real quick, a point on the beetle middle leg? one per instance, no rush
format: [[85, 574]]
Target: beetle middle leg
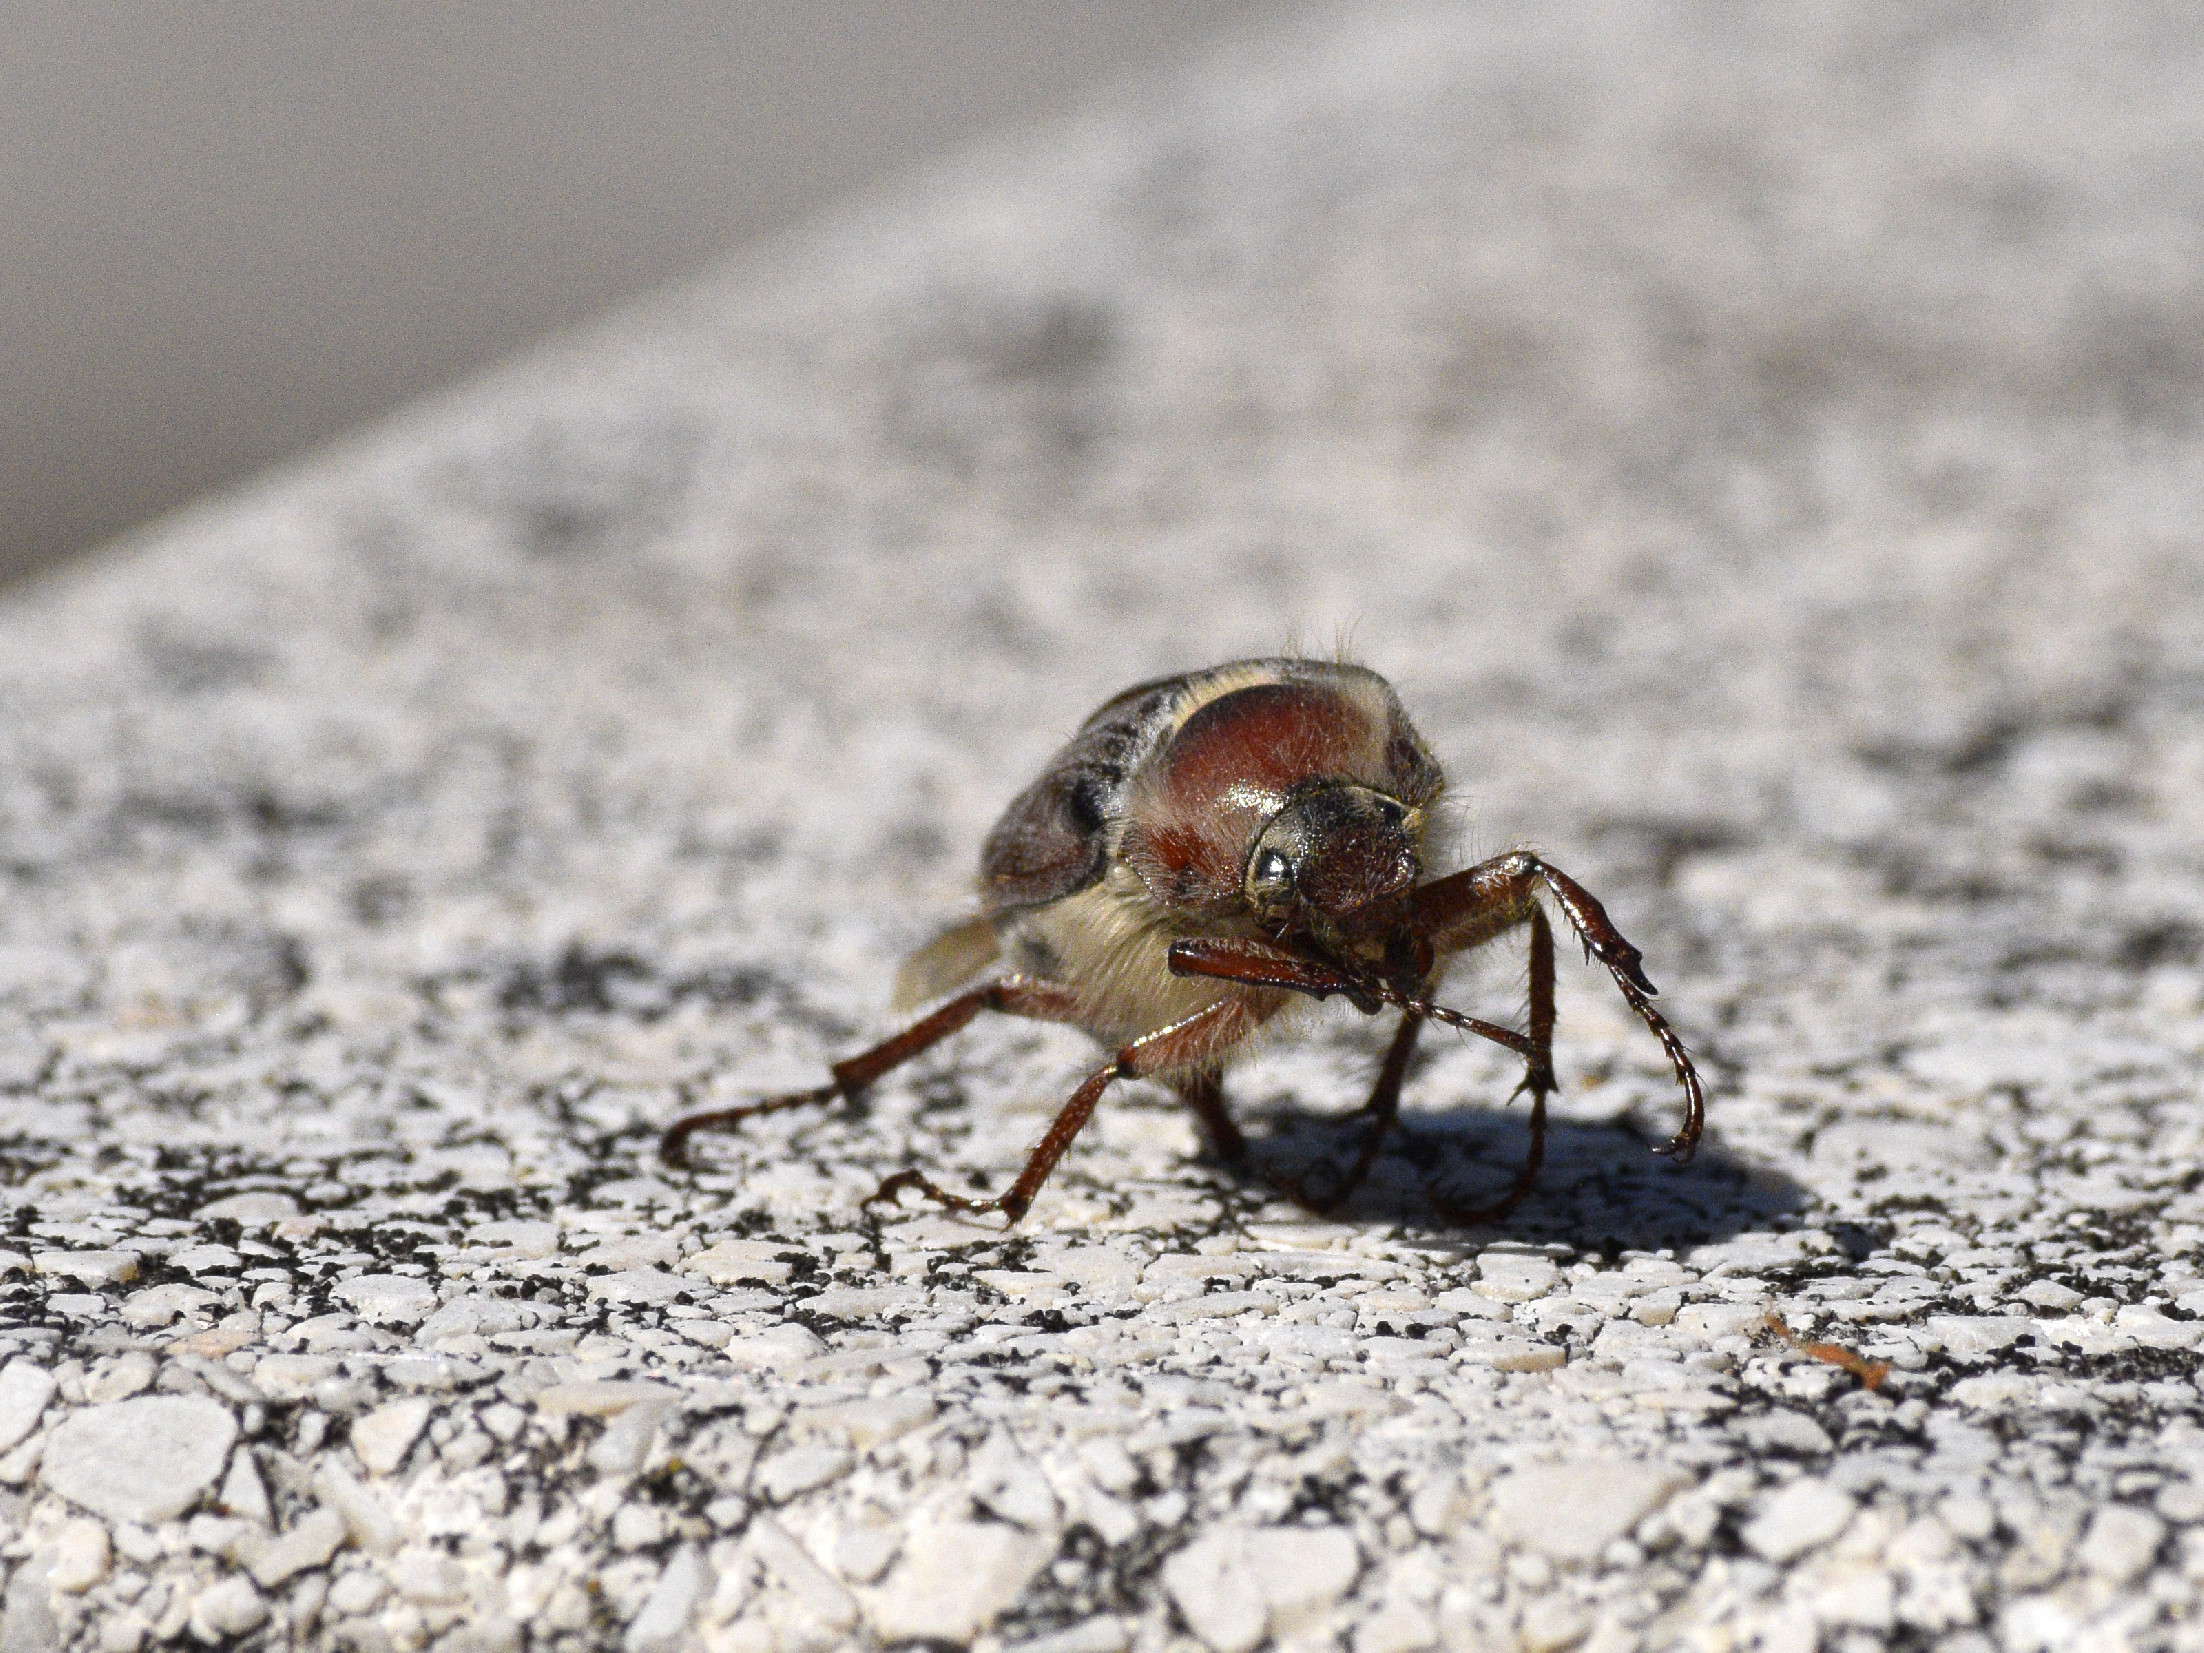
[[1193, 1043], [1486, 901], [1013, 995], [1259, 964], [1538, 1083], [1203, 1091], [1380, 1114]]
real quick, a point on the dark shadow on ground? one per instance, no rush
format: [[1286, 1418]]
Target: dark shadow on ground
[[1602, 1189]]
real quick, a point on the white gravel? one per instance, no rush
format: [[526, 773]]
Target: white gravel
[[25, 1390], [145, 1460], [1237, 1586], [1571, 1512], [955, 1579], [1797, 1518], [382, 1438], [1762, 446]]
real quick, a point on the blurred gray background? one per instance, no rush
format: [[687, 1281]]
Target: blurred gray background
[[229, 231]]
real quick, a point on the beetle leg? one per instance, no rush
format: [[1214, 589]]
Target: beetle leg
[[1488, 900], [1199, 1039], [1203, 1091], [1525, 1180], [1381, 1113], [1258, 964], [1538, 1081], [1013, 995]]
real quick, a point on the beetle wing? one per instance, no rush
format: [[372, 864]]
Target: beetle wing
[[1053, 840], [945, 963]]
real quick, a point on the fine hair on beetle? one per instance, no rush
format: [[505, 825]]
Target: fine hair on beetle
[[1206, 852]]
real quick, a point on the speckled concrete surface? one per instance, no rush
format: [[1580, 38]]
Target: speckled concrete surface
[[1762, 445]]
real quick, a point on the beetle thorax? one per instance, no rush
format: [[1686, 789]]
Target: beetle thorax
[[1300, 780]]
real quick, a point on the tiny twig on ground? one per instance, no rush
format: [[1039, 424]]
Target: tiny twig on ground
[[1870, 1372]]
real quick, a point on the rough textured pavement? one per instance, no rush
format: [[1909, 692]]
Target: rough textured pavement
[[1764, 448]]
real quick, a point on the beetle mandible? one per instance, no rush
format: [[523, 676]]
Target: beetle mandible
[[1207, 850]]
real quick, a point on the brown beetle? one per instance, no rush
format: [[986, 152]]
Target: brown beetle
[[1207, 850]]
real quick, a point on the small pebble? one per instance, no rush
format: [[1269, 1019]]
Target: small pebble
[[1571, 1512], [2121, 1543], [146, 1460], [382, 1438], [81, 1556], [799, 1470], [422, 1573], [90, 1268], [1786, 1431], [227, 1609], [120, 1379], [388, 1299], [662, 1623], [2181, 1501], [356, 1592], [955, 1578], [243, 1493], [1551, 1624], [311, 1540], [256, 1209], [1515, 1277], [821, 1594], [1797, 1518], [25, 1390]]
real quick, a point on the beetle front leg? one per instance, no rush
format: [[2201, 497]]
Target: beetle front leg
[[1258, 964], [1200, 1039], [1488, 900], [1013, 995]]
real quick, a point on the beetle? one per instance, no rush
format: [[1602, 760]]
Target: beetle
[[1205, 852]]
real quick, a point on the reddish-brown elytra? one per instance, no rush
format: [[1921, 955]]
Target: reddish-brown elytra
[[1207, 851]]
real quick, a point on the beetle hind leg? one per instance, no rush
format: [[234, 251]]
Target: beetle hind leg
[[1013, 995], [1526, 1179], [673, 1146], [1014, 1201], [1193, 1044]]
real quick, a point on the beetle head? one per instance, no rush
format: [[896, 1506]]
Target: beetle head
[[1332, 865]]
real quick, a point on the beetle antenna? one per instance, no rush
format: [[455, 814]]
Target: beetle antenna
[[1425, 1010]]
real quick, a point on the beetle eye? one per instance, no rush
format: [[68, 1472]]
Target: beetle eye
[[1270, 873]]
